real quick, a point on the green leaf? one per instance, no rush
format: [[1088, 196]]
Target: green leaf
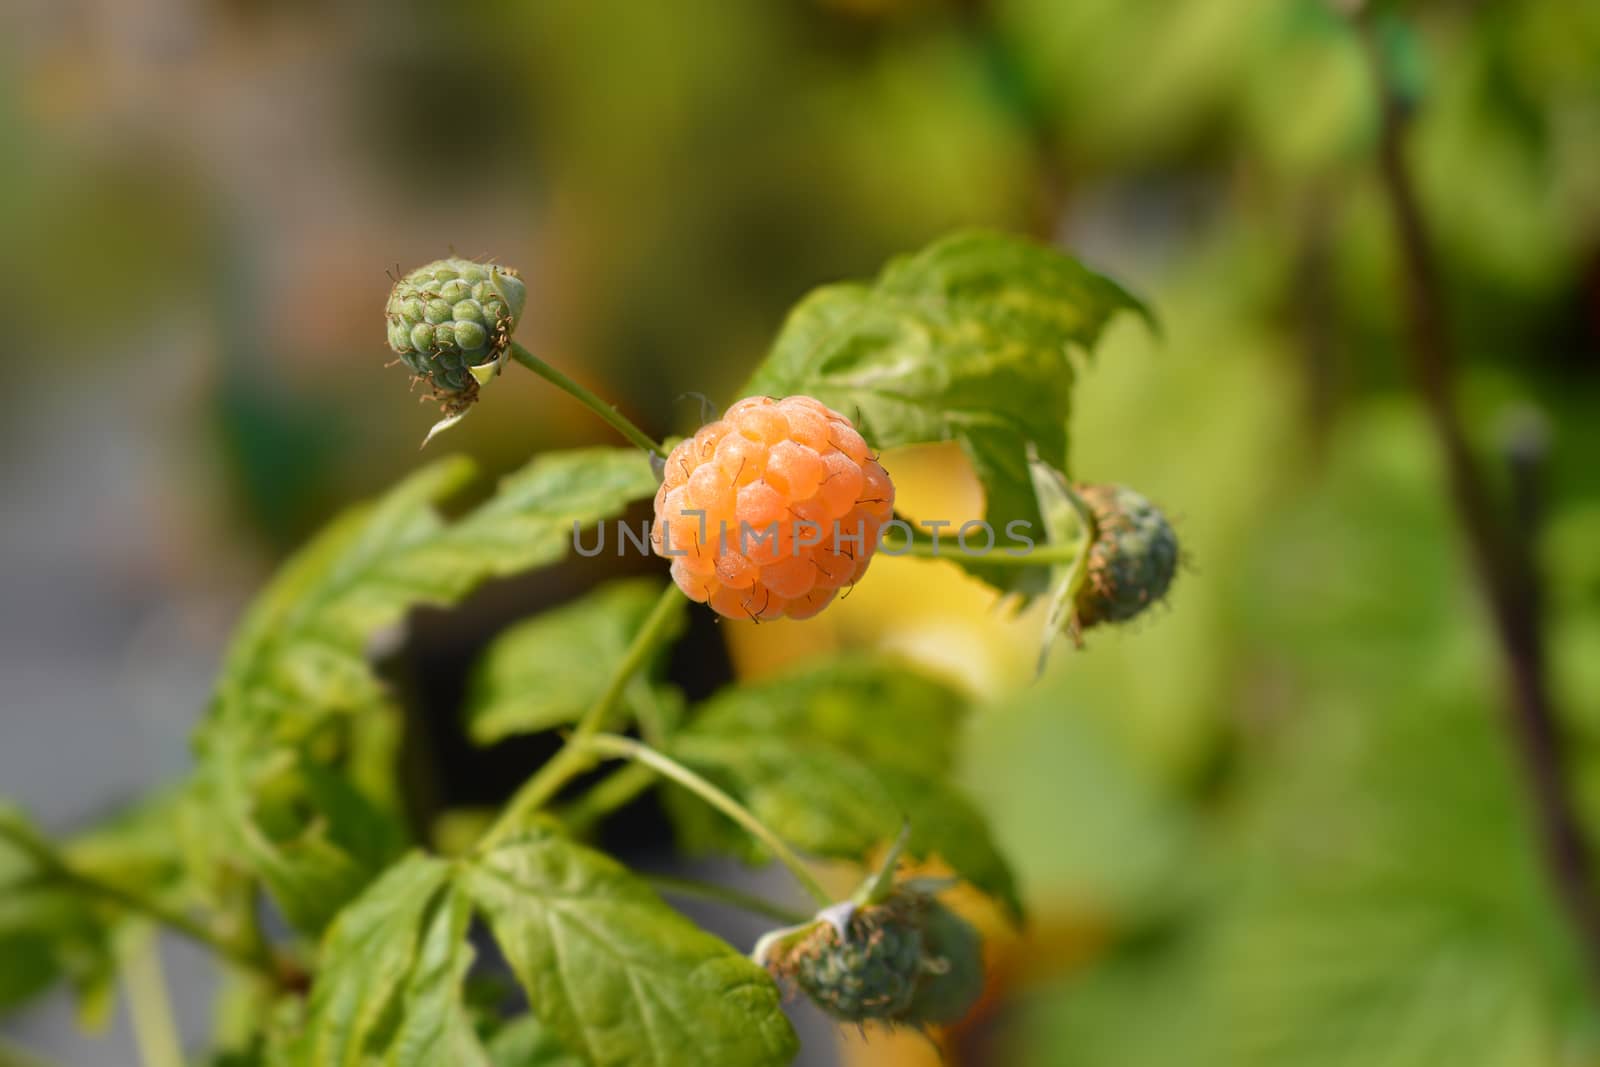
[[881, 708], [964, 341], [838, 758], [527, 1042], [436, 1027], [833, 802], [136, 849], [302, 649], [310, 836], [545, 672], [48, 932], [917, 722], [389, 987], [298, 665], [619, 977]]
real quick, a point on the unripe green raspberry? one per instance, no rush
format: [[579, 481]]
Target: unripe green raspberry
[[1132, 560], [874, 973], [451, 321], [906, 961]]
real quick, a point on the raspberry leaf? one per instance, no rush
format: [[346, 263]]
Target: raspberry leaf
[[546, 671], [837, 761], [135, 849], [297, 689], [917, 721], [528, 1042], [880, 707], [619, 977], [836, 803], [48, 932], [389, 988], [968, 341]]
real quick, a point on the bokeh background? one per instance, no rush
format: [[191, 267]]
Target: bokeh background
[[1279, 823]]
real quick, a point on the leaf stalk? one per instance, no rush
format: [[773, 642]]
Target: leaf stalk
[[589, 399], [627, 748], [575, 757]]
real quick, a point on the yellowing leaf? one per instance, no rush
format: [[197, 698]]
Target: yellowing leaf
[[299, 663], [964, 341]]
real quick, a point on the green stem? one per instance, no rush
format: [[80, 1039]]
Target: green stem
[[56, 868], [574, 757], [894, 544], [614, 791], [627, 748], [689, 887], [614, 418], [618, 789], [149, 1007]]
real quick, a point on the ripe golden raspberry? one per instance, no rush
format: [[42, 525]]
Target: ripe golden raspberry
[[772, 509]]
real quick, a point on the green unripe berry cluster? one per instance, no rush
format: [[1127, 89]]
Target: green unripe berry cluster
[[452, 315], [872, 974], [907, 961], [1132, 560]]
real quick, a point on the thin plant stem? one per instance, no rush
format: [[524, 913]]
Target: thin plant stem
[[149, 1006], [1500, 555], [56, 868], [721, 894], [575, 757], [627, 748], [615, 790], [613, 418], [893, 544]]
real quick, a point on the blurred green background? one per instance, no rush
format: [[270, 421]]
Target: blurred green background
[[1278, 824]]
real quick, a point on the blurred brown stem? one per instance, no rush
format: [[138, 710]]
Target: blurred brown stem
[[1502, 556]]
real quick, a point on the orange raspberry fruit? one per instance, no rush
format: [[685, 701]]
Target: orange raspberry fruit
[[771, 510]]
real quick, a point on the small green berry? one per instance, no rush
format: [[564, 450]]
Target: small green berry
[[908, 960], [873, 973], [1132, 560], [453, 317]]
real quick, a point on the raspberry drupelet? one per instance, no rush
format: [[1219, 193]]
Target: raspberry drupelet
[[772, 509]]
